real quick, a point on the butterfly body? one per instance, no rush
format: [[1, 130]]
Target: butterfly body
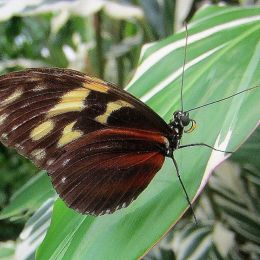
[[100, 145]]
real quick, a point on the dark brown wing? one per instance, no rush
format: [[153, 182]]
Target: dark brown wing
[[42, 109], [43, 112], [107, 169]]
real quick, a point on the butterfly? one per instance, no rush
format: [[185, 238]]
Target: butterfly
[[100, 145]]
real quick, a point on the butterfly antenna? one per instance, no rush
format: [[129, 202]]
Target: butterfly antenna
[[183, 187], [184, 63], [222, 99]]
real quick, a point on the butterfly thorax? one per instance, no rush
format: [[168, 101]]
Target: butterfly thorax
[[178, 123]]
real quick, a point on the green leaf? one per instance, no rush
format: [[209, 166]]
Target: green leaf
[[36, 191], [252, 249], [81, 8], [223, 58], [32, 7], [160, 16], [248, 153], [34, 231], [196, 244], [7, 250], [242, 221]]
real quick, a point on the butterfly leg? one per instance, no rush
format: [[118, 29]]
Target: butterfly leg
[[183, 187], [202, 144]]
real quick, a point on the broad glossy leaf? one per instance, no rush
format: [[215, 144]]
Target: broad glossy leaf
[[223, 58]]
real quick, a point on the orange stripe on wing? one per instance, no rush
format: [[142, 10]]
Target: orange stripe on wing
[[120, 133]]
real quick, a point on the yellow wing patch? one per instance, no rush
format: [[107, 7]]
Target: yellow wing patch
[[71, 101], [69, 135], [112, 107], [14, 96], [97, 85], [42, 130]]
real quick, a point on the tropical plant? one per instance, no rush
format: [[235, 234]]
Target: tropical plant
[[215, 69]]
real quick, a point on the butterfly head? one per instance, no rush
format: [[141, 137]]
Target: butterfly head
[[182, 122]]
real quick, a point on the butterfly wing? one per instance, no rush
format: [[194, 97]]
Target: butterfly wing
[[107, 169], [45, 112]]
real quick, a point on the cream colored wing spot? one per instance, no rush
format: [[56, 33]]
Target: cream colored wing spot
[[42, 130], [50, 162], [14, 96], [38, 154], [4, 137], [39, 87], [70, 102], [112, 107], [97, 85], [3, 118], [69, 135]]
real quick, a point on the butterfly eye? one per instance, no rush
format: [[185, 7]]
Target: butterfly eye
[[193, 126], [185, 120]]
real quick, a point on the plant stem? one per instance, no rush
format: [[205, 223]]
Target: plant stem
[[99, 43]]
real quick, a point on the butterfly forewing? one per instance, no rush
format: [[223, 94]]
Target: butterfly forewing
[[100, 145]]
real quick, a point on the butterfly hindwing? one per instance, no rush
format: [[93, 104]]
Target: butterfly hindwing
[[107, 169], [48, 115]]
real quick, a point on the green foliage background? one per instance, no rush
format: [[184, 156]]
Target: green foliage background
[[108, 46]]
